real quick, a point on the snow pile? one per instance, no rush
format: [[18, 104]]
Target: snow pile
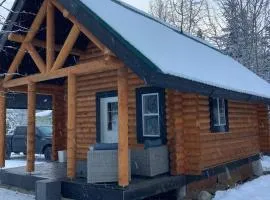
[[266, 163], [13, 195], [257, 189], [177, 54]]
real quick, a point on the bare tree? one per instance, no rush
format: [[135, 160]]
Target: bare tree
[[246, 25], [186, 15]]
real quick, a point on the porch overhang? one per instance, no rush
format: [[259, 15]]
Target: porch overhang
[[59, 66]]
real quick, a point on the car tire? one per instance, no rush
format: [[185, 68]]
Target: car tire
[[48, 153]]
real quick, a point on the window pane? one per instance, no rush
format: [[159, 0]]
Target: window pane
[[222, 112], [112, 116], [151, 126], [150, 104], [215, 112]]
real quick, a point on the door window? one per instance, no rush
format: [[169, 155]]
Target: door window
[[109, 120], [112, 115]]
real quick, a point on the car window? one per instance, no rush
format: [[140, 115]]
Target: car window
[[45, 131], [21, 130]]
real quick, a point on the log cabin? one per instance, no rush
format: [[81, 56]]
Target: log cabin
[[118, 75]]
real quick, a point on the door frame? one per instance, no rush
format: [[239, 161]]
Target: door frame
[[100, 95]]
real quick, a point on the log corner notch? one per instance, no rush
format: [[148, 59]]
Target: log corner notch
[[123, 152], [2, 125], [31, 127]]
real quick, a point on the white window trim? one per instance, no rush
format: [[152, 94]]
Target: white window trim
[[218, 112], [155, 114]]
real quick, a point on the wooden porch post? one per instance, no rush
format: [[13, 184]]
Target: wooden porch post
[[2, 126], [71, 127], [123, 154], [31, 128]]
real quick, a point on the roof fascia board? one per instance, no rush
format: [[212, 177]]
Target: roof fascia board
[[184, 85]]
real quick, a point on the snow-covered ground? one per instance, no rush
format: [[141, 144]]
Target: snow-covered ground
[[257, 189], [20, 161]]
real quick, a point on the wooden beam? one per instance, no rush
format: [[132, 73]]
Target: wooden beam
[[39, 43], [71, 127], [68, 45], [29, 36], [123, 152], [93, 66], [31, 127], [15, 64], [50, 37], [36, 57], [2, 126], [37, 22], [54, 108], [84, 30], [44, 89]]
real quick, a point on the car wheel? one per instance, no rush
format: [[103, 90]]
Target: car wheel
[[48, 153]]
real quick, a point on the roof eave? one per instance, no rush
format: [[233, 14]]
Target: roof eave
[[185, 85]]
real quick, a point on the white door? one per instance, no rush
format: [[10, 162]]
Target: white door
[[109, 120]]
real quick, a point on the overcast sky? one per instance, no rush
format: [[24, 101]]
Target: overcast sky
[[141, 4]]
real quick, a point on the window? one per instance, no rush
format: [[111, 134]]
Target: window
[[219, 115], [150, 115], [112, 116], [21, 130], [150, 109], [45, 131]]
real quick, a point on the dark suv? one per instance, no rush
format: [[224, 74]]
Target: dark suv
[[17, 141]]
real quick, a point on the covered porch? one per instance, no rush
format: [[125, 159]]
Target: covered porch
[[53, 72]]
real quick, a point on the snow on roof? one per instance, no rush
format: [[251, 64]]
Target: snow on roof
[[175, 53], [5, 11]]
